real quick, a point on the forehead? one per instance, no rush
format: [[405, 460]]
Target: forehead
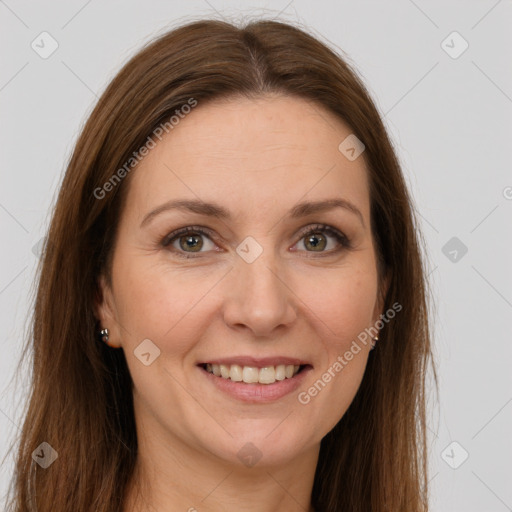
[[252, 155]]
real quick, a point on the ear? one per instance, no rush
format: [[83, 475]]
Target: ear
[[105, 312], [381, 297]]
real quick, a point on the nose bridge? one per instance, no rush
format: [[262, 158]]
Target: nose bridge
[[260, 279], [259, 298]]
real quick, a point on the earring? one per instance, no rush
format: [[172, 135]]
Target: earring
[[104, 335], [374, 341]]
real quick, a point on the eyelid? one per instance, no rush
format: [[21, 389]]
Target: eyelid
[[185, 230], [340, 237], [336, 233]]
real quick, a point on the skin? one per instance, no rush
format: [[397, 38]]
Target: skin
[[257, 158]]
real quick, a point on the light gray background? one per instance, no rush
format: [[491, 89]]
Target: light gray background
[[450, 119]]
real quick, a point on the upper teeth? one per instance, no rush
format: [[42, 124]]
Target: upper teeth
[[252, 374]]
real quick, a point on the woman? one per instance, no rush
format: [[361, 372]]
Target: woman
[[231, 310]]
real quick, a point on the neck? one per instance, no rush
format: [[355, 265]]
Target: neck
[[173, 476]]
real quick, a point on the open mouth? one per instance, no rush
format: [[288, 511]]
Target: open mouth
[[254, 374]]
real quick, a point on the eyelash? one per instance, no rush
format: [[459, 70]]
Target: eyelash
[[196, 230]]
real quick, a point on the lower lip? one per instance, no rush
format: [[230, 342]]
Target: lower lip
[[255, 392]]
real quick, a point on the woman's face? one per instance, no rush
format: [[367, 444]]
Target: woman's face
[[254, 285]]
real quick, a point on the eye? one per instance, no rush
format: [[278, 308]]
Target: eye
[[189, 240], [314, 239]]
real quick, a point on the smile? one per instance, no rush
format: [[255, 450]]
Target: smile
[[253, 374]]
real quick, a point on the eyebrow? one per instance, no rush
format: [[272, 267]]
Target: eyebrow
[[215, 210]]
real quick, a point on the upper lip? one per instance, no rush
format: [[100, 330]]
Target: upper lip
[[259, 362]]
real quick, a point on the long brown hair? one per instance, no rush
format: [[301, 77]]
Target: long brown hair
[[80, 399]]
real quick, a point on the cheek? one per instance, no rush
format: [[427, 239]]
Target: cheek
[[157, 304], [343, 304]]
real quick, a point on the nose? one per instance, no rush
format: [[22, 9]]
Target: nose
[[259, 298]]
